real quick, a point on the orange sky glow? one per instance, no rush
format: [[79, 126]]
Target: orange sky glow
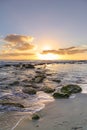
[[22, 47]]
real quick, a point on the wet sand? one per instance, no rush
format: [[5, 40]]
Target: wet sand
[[62, 114]]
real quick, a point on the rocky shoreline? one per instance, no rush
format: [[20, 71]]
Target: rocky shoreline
[[36, 83], [26, 89]]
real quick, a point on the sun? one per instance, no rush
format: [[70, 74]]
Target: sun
[[47, 47], [48, 56]]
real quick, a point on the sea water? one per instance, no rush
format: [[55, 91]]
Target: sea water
[[68, 72]]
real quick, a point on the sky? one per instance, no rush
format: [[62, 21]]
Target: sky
[[43, 29]]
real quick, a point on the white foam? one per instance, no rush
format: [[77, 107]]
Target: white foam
[[43, 97], [73, 96]]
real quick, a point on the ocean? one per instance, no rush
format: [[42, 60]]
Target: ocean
[[14, 78]]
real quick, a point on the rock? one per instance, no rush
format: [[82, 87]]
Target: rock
[[7, 65], [40, 64], [38, 79], [48, 90], [38, 72], [27, 66], [42, 74], [17, 65], [14, 83], [57, 80], [37, 125], [29, 90], [49, 74], [66, 91], [35, 117], [60, 95], [11, 104], [77, 128], [26, 81], [30, 66], [71, 88], [27, 85]]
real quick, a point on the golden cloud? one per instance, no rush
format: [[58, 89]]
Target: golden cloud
[[17, 47], [19, 42], [17, 54], [68, 51]]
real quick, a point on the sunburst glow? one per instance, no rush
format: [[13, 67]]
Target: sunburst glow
[[47, 47], [48, 56]]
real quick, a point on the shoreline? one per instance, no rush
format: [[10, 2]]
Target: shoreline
[[62, 114]]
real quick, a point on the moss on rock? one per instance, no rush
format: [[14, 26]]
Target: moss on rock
[[35, 117], [48, 90], [60, 95], [71, 88]]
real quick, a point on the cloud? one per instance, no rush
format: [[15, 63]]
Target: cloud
[[18, 38], [18, 42], [67, 51], [17, 46], [17, 54]]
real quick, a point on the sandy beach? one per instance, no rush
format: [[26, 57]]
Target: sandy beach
[[62, 114], [18, 103], [43, 65]]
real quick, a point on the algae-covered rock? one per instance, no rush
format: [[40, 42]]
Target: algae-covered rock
[[48, 90], [35, 117], [29, 90], [60, 95], [71, 88]]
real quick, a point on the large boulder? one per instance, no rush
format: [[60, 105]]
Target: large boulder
[[71, 88], [60, 95], [29, 90], [66, 91], [48, 89]]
